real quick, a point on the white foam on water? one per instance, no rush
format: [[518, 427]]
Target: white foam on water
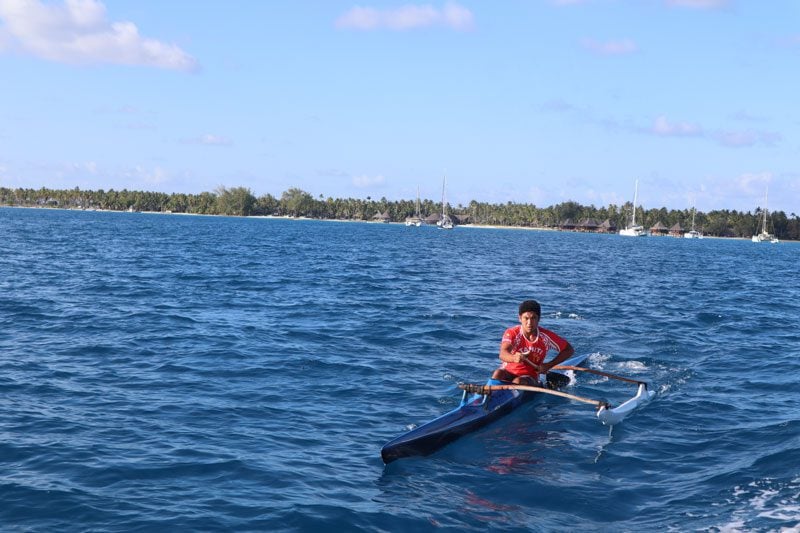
[[633, 366], [571, 375], [766, 498], [598, 360], [735, 526]]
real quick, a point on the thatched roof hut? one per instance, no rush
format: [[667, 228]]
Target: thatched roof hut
[[658, 229], [382, 217], [608, 227], [433, 218], [676, 230]]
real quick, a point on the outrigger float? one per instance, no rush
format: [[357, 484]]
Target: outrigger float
[[483, 404]]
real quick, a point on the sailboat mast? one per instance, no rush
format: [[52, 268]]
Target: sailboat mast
[[444, 183], [635, 196]]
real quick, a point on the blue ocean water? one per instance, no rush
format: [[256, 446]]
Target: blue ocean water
[[165, 372]]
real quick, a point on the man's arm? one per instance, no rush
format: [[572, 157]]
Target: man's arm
[[562, 356], [507, 356]]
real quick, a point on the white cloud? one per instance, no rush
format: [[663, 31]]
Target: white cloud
[[407, 17], [624, 46], [368, 181], [78, 32], [209, 140], [215, 140], [746, 116], [699, 4], [663, 127], [76, 169], [737, 139], [457, 17], [332, 172], [89, 175], [139, 175], [752, 184]]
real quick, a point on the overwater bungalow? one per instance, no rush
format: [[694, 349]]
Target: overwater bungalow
[[659, 230], [676, 230], [588, 225], [607, 227], [433, 219], [567, 225], [381, 217]]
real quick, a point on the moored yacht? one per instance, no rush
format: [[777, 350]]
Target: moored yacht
[[634, 229], [693, 233], [765, 236]]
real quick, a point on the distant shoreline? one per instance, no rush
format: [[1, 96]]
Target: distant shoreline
[[287, 217], [294, 203]]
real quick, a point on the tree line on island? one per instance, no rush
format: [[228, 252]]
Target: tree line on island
[[295, 202]]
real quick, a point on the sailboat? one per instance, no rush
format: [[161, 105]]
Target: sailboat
[[693, 233], [416, 220], [765, 236], [445, 222], [634, 230]]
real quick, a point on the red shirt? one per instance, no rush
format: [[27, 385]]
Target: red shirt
[[543, 341]]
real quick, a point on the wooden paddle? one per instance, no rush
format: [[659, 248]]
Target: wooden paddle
[[488, 389], [598, 372]]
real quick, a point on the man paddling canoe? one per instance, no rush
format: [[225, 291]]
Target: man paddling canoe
[[522, 351], [524, 347]]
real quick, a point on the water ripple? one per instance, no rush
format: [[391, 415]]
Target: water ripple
[[211, 373]]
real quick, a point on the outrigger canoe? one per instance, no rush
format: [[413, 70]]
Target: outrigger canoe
[[483, 404]]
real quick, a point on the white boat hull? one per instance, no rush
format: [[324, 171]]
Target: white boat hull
[[609, 416], [634, 231], [765, 237]]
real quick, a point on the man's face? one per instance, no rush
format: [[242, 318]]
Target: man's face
[[529, 321]]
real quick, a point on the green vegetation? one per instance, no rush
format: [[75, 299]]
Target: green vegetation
[[240, 201]]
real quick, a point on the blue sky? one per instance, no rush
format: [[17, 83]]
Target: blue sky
[[535, 101]]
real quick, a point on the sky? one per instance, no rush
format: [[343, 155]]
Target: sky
[[529, 101]]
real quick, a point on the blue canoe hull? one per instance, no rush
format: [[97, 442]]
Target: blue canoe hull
[[474, 412]]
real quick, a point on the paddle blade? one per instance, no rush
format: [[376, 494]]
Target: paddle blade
[[610, 416]]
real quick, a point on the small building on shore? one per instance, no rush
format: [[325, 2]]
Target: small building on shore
[[607, 227], [659, 229], [676, 230], [588, 225], [567, 225], [381, 217], [433, 219]]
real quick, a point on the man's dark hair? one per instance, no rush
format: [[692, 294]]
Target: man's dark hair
[[530, 305]]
